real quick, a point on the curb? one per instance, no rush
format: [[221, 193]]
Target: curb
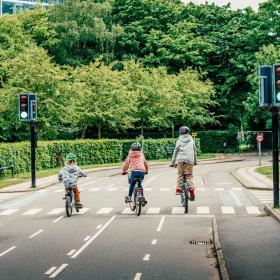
[[272, 212], [245, 183], [219, 251]]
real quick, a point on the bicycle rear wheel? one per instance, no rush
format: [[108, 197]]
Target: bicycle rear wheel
[[138, 204], [68, 206], [185, 199]]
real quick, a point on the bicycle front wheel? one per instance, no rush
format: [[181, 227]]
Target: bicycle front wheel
[[68, 206]]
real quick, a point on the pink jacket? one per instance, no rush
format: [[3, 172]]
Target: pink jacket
[[135, 161]]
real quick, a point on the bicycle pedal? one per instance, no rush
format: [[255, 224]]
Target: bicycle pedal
[[63, 197]]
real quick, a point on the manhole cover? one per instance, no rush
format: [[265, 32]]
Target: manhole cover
[[207, 242]]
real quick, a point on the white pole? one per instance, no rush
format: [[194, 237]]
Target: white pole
[[260, 154]]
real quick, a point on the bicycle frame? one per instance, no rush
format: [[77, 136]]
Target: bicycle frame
[[185, 194]]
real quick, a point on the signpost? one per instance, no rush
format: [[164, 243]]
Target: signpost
[[27, 112], [259, 139]]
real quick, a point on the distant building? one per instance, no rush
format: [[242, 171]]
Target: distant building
[[18, 6]]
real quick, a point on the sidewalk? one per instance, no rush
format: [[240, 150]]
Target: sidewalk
[[251, 179]]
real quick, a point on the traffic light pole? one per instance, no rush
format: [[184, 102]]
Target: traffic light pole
[[33, 153], [275, 155]]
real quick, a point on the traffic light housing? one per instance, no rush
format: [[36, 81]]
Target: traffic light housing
[[265, 86], [27, 107], [276, 84]]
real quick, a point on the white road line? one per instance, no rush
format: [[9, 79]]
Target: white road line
[[153, 210], [160, 223], [154, 242], [32, 211], [94, 189], [92, 238], [146, 257], [147, 189], [7, 251], [165, 189], [104, 211], [201, 189], [56, 211], [51, 270], [8, 212], [83, 210], [237, 189], [227, 210], [219, 189], [58, 270], [253, 210], [235, 197], [112, 189], [127, 211], [71, 252], [138, 276], [178, 210], [99, 226], [56, 220], [224, 183], [36, 233], [202, 210], [87, 238]]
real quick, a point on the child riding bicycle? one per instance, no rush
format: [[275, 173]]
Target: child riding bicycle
[[138, 166], [69, 175], [184, 156]]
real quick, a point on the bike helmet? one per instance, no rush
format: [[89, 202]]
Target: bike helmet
[[136, 146], [71, 157], [184, 130]]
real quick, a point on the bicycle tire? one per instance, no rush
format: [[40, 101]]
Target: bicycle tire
[[138, 205], [185, 199], [68, 207]]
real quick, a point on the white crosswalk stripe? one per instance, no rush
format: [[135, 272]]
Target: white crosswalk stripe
[[178, 210], [219, 189], [104, 211], [253, 210], [202, 210], [127, 211], [94, 189], [112, 189], [83, 210], [32, 211], [153, 210], [227, 210], [8, 212], [56, 211], [165, 189], [264, 196]]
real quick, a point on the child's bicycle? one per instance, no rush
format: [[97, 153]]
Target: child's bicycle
[[70, 202], [185, 194]]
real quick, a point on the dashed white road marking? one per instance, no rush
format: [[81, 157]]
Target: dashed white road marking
[[36, 233], [87, 238], [154, 242], [202, 210], [83, 210], [253, 210], [153, 210], [104, 211], [138, 276], [56, 211], [94, 189], [92, 238], [51, 270], [127, 211], [58, 270], [165, 189], [147, 189], [71, 252], [228, 210], [7, 251], [56, 220], [32, 211], [218, 189], [178, 210], [237, 189], [224, 183], [99, 226], [200, 189], [160, 223], [112, 189], [8, 212], [146, 257]]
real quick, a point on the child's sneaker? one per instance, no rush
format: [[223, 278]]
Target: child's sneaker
[[144, 201], [79, 205], [178, 191], [127, 199], [192, 195]]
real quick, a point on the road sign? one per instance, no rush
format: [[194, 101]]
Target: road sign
[[259, 137], [194, 134]]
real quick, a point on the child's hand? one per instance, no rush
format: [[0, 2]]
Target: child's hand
[[124, 173], [172, 165]]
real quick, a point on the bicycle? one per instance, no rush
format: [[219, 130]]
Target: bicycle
[[138, 200], [70, 202], [185, 194]]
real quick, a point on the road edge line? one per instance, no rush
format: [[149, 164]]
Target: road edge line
[[220, 256]]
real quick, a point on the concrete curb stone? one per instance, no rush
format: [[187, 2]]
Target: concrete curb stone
[[275, 213]]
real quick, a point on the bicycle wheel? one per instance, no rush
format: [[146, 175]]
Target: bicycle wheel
[[138, 204], [185, 199], [68, 206], [132, 204]]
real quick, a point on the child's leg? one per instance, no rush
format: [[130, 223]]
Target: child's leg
[[181, 170], [132, 185], [189, 173], [76, 194]]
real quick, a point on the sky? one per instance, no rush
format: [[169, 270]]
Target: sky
[[235, 4]]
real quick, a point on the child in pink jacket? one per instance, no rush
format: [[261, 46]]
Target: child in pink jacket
[[135, 162]]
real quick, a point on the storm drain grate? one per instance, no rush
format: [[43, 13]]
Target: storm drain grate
[[207, 242]]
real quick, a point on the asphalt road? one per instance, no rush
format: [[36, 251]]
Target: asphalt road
[[106, 241]]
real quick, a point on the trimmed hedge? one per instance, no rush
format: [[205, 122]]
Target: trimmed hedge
[[213, 141]]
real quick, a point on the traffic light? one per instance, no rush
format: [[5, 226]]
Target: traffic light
[[265, 86], [276, 84], [27, 107], [24, 107]]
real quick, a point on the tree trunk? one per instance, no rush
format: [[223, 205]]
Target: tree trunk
[[83, 134], [142, 129], [99, 130], [173, 130]]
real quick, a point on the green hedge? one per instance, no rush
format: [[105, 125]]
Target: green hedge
[[213, 141]]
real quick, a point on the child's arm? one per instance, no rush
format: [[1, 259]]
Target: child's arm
[[146, 166], [59, 176], [175, 153], [125, 166], [80, 172]]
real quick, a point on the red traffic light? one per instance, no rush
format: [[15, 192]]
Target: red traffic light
[[23, 98], [277, 72]]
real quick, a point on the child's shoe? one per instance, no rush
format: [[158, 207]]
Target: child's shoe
[[79, 205], [192, 195], [127, 199], [144, 201], [178, 191]]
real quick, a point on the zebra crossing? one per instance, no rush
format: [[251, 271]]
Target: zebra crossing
[[200, 210], [265, 197]]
